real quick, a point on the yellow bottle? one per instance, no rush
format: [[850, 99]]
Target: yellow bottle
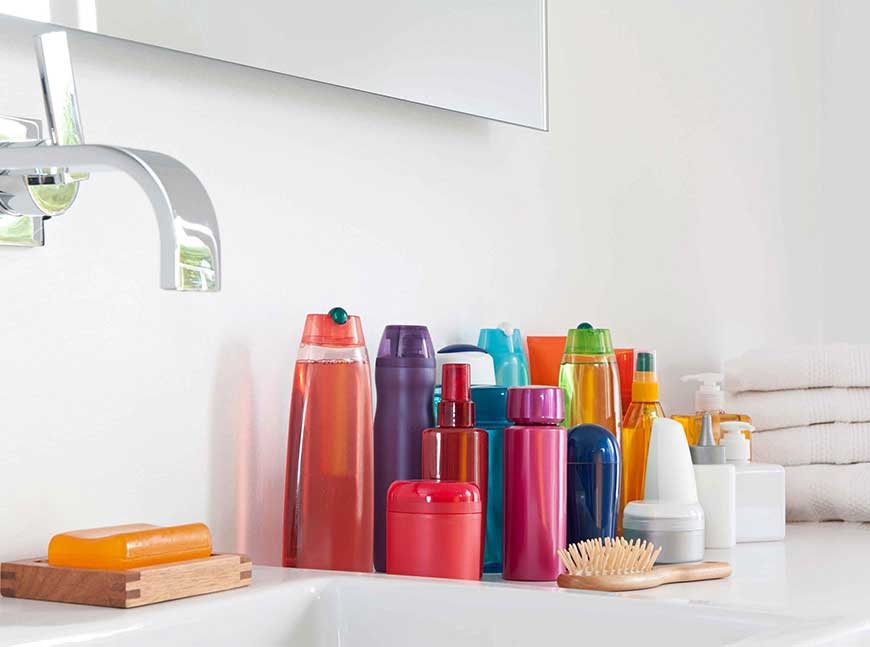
[[637, 427], [709, 398]]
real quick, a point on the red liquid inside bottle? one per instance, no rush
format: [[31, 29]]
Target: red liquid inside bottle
[[456, 450], [328, 514]]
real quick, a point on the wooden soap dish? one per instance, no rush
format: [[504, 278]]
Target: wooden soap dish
[[36, 579]]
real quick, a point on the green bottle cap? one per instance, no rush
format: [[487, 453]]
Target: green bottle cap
[[586, 340], [646, 362], [339, 315]]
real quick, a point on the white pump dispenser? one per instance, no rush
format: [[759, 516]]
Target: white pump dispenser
[[760, 488], [709, 396]]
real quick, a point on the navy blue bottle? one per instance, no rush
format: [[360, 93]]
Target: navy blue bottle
[[593, 483], [490, 406]]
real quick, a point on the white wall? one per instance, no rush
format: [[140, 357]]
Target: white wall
[[674, 200]]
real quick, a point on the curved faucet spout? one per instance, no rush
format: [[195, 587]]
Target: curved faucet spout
[[189, 238]]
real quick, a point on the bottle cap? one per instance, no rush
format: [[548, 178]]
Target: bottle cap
[[669, 473], [737, 448], [706, 452], [645, 386], [403, 345], [490, 406], [455, 408], [482, 367], [337, 328], [504, 339], [530, 405], [709, 396], [593, 444], [586, 340], [434, 497]]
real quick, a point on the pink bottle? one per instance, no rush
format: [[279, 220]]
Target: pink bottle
[[535, 483]]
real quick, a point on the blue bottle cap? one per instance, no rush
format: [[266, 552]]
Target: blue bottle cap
[[490, 405], [592, 444]]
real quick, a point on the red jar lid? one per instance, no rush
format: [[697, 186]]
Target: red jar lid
[[434, 497]]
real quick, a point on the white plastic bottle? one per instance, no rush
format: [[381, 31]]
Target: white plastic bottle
[[760, 488], [715, 480]]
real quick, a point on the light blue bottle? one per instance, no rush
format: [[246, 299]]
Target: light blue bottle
[[505, 344], [490, 406]]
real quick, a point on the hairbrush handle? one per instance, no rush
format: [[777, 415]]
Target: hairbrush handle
[[673, 573], [665, 574]]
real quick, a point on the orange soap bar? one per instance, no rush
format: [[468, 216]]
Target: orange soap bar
[[119, 548]]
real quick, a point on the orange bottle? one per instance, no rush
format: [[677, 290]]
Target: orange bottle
[[637, 427], [328, 499]]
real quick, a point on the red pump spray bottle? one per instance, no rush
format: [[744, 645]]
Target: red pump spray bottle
[[456, 450]]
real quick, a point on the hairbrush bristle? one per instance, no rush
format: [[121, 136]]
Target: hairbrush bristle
[[609, 557]]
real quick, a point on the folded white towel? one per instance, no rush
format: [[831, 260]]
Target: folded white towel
[[801, 407], [828, 492], [799, 367], [835, 443]]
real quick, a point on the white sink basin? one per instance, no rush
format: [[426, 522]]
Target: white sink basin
[[310, 608]]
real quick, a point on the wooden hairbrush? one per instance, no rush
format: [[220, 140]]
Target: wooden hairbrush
[[620, 565]]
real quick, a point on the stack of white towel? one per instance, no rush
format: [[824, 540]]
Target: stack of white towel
[[811, 409]]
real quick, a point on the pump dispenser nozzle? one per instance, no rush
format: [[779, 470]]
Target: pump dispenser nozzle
[[709, 396], [456, 408], [707, 452]]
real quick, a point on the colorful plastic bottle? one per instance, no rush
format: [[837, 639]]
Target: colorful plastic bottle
[[505, 344], [709, 398], [545, 357], [433, 529], [405, 382], [328, 502], [535, 481], [590, 378], [490, 408], [637, 426], [625, 364], [593, 483], [456, 450]]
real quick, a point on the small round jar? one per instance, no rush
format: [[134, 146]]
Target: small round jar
[[678, 528], [434, 529]]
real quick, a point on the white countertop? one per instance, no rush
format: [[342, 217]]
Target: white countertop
[[818, 576]]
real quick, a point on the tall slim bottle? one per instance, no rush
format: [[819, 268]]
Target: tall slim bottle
[[590, 378], [405, 382], [637, 427], [535, 483], [490, 409], [456, 450], [328, 504]]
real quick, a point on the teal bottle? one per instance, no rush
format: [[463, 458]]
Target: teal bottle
[[490, 404], [505, 344]]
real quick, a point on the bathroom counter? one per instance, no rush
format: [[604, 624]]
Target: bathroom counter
[[809, 589]]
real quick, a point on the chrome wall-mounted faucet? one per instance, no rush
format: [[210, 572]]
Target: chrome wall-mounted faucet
[[39, 179]]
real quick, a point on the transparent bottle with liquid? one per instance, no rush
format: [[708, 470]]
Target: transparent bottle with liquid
[[590, 378], [637, 426], [709, 398], [328, 500]]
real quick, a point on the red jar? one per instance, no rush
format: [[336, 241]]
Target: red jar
[[433, 529]]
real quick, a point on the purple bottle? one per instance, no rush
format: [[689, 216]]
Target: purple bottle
[[405, 382], [535, 483]]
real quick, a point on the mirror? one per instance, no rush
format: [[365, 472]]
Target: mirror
[[482, 57]]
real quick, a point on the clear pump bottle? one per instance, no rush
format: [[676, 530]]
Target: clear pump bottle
[[709, 398]]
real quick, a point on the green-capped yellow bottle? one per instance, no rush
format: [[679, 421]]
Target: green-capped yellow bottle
[[590, 378]]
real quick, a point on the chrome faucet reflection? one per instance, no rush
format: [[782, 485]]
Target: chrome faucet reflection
[[39, 179]]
